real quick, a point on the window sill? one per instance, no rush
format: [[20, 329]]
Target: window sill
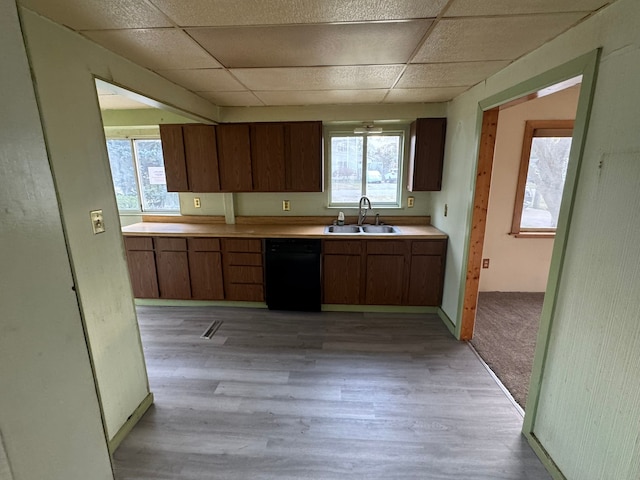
[[533, 234]]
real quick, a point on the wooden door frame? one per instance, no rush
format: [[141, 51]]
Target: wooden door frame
[[587, 67]]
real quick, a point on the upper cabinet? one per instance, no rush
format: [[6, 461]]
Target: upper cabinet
[[426, 154], [190, 158], [240, 157]]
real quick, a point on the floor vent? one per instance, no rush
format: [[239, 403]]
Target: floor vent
[[212, 329]]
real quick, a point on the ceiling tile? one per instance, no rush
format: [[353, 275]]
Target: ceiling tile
[[118, 102], [320, 97], [232, 99], [99, 14], [496, 38], [448, 74], [276, 12], [421, 95], [311, 45], [164, 48], [463, 8], [204, 80], [319, 78]]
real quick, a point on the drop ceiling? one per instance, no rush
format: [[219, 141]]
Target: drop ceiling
[[311, 52]]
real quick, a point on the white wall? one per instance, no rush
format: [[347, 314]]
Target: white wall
[[64, 65], [588, 416], [49, 413], [518, 264]]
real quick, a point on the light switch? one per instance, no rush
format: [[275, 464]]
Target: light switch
[[97, 222]]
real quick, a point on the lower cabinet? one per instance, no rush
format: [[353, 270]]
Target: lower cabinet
[[172, 264], [205, 269], [341, 271], [242, 267], [141, 259]]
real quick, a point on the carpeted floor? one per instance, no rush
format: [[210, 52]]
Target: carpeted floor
[[505, 336]]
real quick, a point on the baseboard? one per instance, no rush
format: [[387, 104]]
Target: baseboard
[[544, 457], [331, 307], [161, 302], [447, 321], [131, 422]]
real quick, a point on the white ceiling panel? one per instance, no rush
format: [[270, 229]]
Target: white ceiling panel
[[422, 95], [319, 78], [164, 48], [232, 99], [495, 38], [100, 14], [464, 8], [204, 80], [320, 97], [312, 45], [189, 13], [448, 74]]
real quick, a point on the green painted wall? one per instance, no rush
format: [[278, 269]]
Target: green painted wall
[[588, 415], [49, 410]]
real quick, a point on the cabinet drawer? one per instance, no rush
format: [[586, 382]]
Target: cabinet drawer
[[243, 259], [428, 247], [241, 245], [138, 243], [244, 274], [204, 244], [168, 244], [352, 247], [387, 247]]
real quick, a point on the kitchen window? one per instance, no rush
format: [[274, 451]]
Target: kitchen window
[[365, 161], [543, 169], [137, 169]]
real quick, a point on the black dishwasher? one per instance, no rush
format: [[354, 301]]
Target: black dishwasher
[[292, 274]]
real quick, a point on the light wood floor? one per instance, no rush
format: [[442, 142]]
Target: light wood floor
[[277, 395]]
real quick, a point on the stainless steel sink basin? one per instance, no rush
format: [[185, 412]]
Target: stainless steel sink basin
[[342, 229], [379, 229], [355, 229]]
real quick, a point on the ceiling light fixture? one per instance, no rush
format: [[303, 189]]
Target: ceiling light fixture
[[367, 129]]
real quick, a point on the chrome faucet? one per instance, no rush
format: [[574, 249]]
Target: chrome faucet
[[362, 214]]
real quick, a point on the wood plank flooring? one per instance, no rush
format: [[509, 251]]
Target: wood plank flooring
[[287, 395]]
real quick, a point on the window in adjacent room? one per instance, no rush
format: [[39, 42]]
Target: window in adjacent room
[[543, 168], [365, 162], [137, 169]]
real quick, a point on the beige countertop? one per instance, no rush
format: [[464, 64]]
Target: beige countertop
[[270, 231]]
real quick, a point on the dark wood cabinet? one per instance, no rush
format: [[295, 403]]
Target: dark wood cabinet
[[385, 277], [242, 269], [141, 260], [172, 263], [342, 272], [304, 157], [427, 137], [268, 157], [234, 157], [190, 158], [205, 268], [426, 276]]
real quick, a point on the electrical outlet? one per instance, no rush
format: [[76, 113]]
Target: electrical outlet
[[485, 263], [97, 221], [286, 205], [446, 209], [410, 202], [196, 202]]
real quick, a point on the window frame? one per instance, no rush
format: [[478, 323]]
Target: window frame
[[534, 129], [134, 157], [347, 130]]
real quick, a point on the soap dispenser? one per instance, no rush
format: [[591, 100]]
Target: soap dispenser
[[340, 218]]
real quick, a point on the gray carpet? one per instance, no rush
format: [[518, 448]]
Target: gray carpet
[[505, 337]]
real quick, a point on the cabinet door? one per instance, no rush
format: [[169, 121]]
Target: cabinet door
[[201, 157], [267, 157], [341, 279], [234, 158], [172, 263], [385, 279], [205, 269], [304, 157], [425, 280], [426, 154], [175, 166], [142, 271]]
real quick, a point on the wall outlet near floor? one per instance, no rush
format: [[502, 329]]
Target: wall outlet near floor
[[196, 202], [286, 205], [97, 221], [485, 263], [410, 202]]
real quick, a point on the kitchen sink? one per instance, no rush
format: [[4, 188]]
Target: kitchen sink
[[364, 229], [379, 229]]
